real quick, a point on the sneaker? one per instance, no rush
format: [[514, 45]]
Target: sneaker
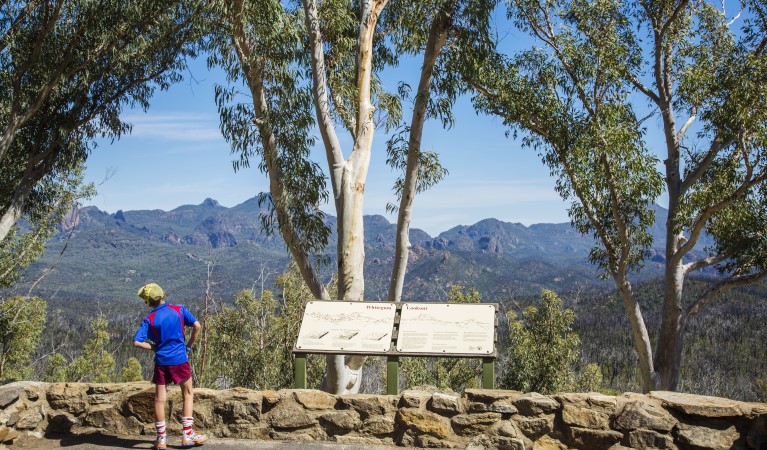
[[160, 443], [193, 439]]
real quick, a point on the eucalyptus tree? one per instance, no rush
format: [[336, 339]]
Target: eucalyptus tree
[[607, 88], [452, 35], [67, 70], [291, 88], [21, 324], [316, 65]]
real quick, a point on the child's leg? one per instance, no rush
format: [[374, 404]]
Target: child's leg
[[190, 437], [187, 394], [159, 415], [159, 402]]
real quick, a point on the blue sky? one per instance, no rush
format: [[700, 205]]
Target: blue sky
[[176, 156]]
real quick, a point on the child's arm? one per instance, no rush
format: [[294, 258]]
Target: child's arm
[[193, 335], [146, 345]]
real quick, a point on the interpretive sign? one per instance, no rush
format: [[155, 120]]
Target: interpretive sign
[[353, 327], [445, 328]]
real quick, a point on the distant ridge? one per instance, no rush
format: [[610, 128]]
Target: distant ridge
[[109, 256]]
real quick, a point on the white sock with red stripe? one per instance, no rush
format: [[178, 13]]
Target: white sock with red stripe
[[160, 427], [187, 422]]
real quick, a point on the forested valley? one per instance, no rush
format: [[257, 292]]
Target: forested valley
[[723, 356]]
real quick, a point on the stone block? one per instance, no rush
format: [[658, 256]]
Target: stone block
[[533, 404], [509, 443], [141, 405], [587, 438], [648, 439], [505, 406], [106, 417], [707, 438], [9, 394], [370, 405], [69, 397], [340, 422], [7, 435], [548, 443], [118, 388], [414, 399], [271, 398], [377, 426], [446, 404], [534, 427], [292, 436], [245, 410], [641, 414], [585, 418], [428, 441], [490, 395], [29, 419], [506, 428], [361, 441], [606, 404], [424, 422], [473, 424], [701, 405], [315, 400], [289, 415]]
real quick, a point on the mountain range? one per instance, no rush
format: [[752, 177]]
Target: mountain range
[[108, 256]]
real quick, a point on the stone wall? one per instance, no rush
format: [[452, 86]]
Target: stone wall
[[480, 419]]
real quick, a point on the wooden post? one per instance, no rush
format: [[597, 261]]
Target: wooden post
[[488, 373], [299, 377], [392, 375]]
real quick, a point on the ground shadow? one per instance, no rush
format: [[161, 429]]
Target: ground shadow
[[103, 440]]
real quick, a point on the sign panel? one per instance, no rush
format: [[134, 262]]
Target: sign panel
[[346, 326], [447, 328]]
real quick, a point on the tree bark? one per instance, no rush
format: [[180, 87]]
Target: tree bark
[[434, 43], [348, 177]]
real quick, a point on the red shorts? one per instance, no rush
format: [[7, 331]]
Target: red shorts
[[168, 374]]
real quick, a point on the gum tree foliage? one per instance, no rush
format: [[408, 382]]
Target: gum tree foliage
[[92, 358], [315, 65], [21, 323], [606, 88], [253, 340], [67, 69], [19, 249], [55, 369], [542, 349], [132, 371], [456, 374], [95, 364]]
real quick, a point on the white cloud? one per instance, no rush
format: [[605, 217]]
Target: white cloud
[[176, 127]]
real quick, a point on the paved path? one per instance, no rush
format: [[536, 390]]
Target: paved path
[[100, 442]]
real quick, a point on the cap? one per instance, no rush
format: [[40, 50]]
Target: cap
[[151, 292]]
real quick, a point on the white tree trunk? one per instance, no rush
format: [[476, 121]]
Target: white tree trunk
[[347, 177], [642, 344], [437, 37]]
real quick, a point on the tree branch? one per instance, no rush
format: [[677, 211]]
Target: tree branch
[[730, 283], [253, 75], [321, 100]]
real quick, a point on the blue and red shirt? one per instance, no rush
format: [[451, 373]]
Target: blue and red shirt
[[165, 327]]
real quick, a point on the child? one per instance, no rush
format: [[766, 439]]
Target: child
[[162, 331]]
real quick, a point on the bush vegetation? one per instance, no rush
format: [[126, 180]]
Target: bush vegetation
[[250, 338]]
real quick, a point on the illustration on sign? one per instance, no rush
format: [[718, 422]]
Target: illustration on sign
[[346, 326], [447, 328]]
